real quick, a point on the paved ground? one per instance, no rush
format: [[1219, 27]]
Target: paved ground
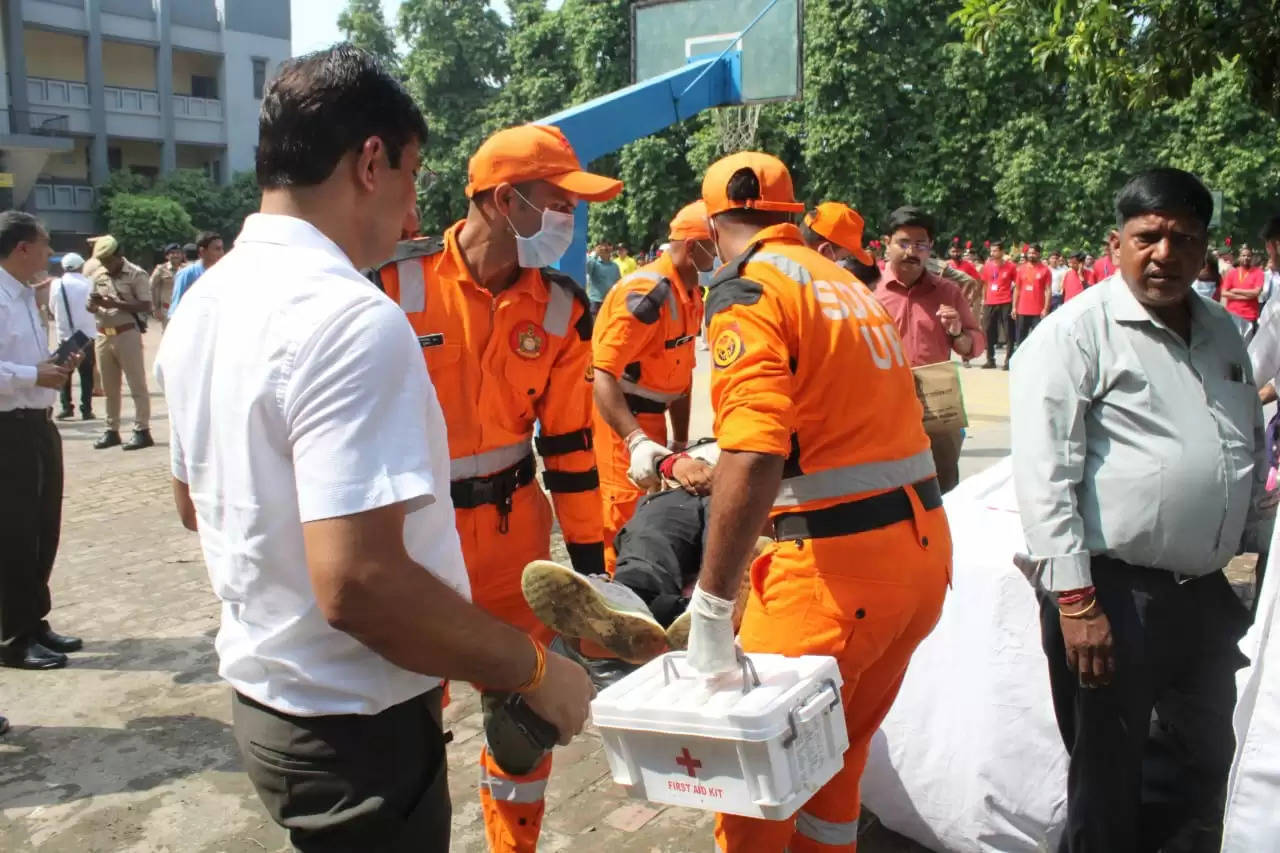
[[130, 749]]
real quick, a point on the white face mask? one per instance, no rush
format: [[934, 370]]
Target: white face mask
[[1205, 287], [550, 242]]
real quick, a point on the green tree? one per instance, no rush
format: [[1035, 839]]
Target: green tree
[[119, 181], [143, 224], [210, 206], [363, 24]]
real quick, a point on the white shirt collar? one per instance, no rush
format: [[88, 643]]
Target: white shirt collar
[[279, 230]]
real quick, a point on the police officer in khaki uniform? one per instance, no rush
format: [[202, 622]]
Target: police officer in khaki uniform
[[162, 282], [121, 292]]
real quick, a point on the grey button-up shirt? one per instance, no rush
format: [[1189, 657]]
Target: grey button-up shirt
[[1130, 443]]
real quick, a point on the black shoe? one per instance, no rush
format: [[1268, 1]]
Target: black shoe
[[34, 656], [4, 725], [141, 438], [66, 414], [110, 438], [990, 365], [50, 639], [88, 415]]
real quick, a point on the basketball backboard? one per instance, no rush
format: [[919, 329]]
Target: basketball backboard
[[666, 34]]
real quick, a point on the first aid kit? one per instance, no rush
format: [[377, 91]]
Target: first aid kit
[[758, 742]]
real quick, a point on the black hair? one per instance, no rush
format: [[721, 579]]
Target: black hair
[[325, 104], [810, 236], [1164, 190], [1078, 256], [910, 216], [1211, 261], [1270, 231], [17, 227], [205, 238], [1036, 248], [868, 274], [745, 186], [189, 252], [997, 244]]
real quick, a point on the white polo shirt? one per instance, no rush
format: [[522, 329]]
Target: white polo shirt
[[296, 393]]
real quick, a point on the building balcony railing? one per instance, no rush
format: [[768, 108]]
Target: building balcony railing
[[119, 99], [52, 195], [60, 93], [188, 106], [35, 123]]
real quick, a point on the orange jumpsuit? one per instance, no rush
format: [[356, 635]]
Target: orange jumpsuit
[[498, 363], [807, 365], [644, 337]]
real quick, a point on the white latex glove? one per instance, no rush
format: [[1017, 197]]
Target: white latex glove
[[645, 456], [711, 647]]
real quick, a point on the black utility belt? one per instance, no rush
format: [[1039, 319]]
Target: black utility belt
[[857, 516], [33, 415], [644, 406], [495, 489]]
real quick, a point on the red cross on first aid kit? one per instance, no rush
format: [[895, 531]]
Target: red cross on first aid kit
[[758, 742]]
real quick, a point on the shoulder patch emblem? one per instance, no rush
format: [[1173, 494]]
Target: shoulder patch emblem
[[728, 347], [528, 340]]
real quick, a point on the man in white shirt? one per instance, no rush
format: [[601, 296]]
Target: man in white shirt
[[30, 454], [308, 450], [69, 301]]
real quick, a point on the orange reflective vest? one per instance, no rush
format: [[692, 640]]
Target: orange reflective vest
[[645, 334], [807, 365], [501, 362]]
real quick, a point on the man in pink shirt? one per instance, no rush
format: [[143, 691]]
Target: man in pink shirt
[[931, 313], [1034, 280], [1242, 286]]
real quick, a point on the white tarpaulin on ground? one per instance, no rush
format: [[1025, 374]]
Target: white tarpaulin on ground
[[1253, 804], [970, 758]]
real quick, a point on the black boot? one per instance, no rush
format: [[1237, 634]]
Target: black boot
[[33, 656], [66, 414], [54, 641], [141, 438], [110, 438], [87, 415]]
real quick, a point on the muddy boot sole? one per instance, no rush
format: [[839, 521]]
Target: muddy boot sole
[[566, 602]]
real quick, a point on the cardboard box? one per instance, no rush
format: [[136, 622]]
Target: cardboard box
[[938, 389]]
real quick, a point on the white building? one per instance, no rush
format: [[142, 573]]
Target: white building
[[152, 85]]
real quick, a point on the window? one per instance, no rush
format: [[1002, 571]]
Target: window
[[115, 159], [259, 77], [204, 87]]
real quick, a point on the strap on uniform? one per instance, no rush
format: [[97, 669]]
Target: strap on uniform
[[496, 489], [587, 557], [857, 516], [644, 406], [565, 442], [571, 481]]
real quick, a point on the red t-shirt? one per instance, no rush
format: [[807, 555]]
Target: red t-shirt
[[965, 267], [1102, 268], [1242, 279], [999, 279], [1074, 283], [1033, 284]]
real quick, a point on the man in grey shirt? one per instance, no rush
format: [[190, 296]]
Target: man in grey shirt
[[1138, 463]]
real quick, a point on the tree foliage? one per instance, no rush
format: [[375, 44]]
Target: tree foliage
[[206, 205], [363, 24], [143, 222]]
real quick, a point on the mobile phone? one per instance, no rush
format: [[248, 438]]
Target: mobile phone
[[72, 345]]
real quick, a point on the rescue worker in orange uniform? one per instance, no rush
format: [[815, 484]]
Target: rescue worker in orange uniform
[[820, 432], [834, 230], [643, 353], [507, 342]]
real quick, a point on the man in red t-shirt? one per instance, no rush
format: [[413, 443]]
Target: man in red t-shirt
[[957, 262], [1104, 267], [1034, 279], [1076, 279], [1242, 285], [999, 277]]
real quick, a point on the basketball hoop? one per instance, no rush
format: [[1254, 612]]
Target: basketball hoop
[[736, 127]]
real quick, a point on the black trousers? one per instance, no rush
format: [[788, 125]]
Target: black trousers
[[1026, 324], [348, 782], [86, 383], [1150, 752], [995, 319], [660, 550], [30, 521]]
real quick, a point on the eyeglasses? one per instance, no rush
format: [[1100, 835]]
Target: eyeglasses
[[909, 246]]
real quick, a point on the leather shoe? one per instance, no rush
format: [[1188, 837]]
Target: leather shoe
[[34, 656], [141, 438], [88, 415], [66, 414], [110, 438], [51, 639]]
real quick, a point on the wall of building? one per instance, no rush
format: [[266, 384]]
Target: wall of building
[[131, 66], [137, 152], [260, 17], [56, 55], [241, 106], [72, 165], [186, 63]]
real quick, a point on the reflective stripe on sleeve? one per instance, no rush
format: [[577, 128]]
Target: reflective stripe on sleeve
[[559, 309], [413, 286], [511, 791]]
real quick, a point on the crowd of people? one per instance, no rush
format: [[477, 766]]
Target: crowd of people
[[357, 456]]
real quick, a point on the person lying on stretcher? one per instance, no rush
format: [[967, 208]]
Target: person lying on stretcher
[[621, 622]]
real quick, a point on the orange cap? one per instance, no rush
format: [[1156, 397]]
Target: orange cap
[[535, 152], [840, 224], [776, 190], [691, 223]]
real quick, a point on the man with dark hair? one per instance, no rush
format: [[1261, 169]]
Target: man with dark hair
[[1134, 494], [1075, 280], [602, 275], [30, 453], [1034, 290], [625, 263], [309, 452], [162, 283], [1000, 277], [507, 341], [853, 499], [209, 249], [932, 316], [1242, 287], [121, 294]]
